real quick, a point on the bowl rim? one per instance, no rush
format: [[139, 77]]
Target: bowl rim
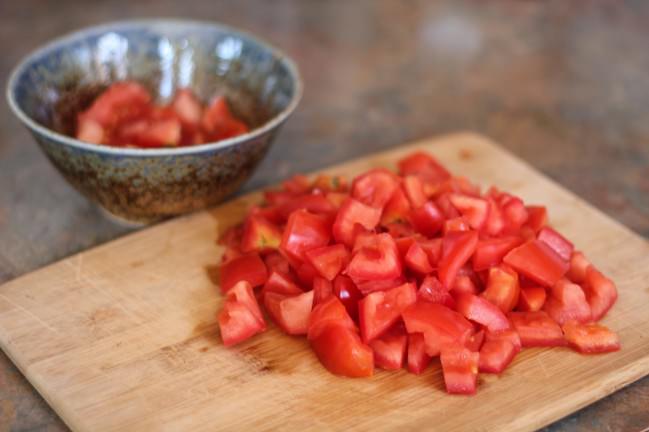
[[41, 50]]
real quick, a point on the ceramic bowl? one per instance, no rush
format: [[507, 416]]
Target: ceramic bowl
[[52, 84]]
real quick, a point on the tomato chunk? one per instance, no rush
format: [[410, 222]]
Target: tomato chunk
[[390, 348], [475, 342], [260, 235], [414, 188], [341, 351], [427, 219], [502, 288], [423, 165], [249, 268], [537, 329], [304, 231], [578, 266], [370, 286], [418, 360], [562, 246], [475, 210], [377, 258], [350, 214], [381, 309], [417, 260], [537, 261], [322, 290], [490, 252], [482, 311], [291, 313], [375, 187], [460, 368], [457, 248], [329, 311], [240, 317], [347, 292], [281, 283], [328, 260], [440, 325], [532, 299], [600, 292], [591, 338], [567, 303], [538, 217], [313, 203], [432, 290], [496, 355]]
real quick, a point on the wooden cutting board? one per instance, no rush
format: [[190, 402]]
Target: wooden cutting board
[[124, 336]]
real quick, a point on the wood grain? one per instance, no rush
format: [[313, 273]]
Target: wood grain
[[123, 337]]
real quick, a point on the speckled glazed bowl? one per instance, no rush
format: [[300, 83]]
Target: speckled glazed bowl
[[51, 85]]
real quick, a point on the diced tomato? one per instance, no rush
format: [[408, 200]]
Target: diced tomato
[[427, 219], [232, 237], [432, 290], [219, 123], [440, 325], [514, 212], [537, 261], [328, 260], [455, 224], [306, 273], [375, 187], [330, 311], [502, 288], [351, 213], [390, 348], [370, 286], [346, 291], [509, 335], [404, 243], [291, 313], [281, 283], [600, 291], [418, 360], [381, 309], [443, 202], [336, 198], [398, 230], [150, 131], [299, 184], [496, 355], [417, 260], [474, 210], [187, 107], [567, 303], [397, 208], [240, 317], [276, 262], [313, 203], [591, 338], [122, 101], [424, 166], [247, 267], [414, 188], [537, 329], [474, 343], [482, 311], [562, 246], [377, 259], [457, 248], [578, 266], [433, 248], [341, 351], [260, 235], [460, 368], [532, 299], [304, 231], [329, 183], [537, 217], [322, 290], [490, 252], [495, 222]]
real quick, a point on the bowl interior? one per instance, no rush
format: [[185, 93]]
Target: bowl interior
[[58, 81]]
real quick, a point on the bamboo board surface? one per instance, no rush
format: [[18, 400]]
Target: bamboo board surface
[[124, 336]]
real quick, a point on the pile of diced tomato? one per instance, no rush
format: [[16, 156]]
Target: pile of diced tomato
[[124, 115], [397, 269]]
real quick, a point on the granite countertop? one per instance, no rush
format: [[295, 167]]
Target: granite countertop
[[563, 85]]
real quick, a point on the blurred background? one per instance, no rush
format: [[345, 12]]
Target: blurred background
[[563, 85]]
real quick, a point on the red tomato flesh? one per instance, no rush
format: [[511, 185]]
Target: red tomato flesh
[[379, 310], [390, 348], [591, 338], [240, 317], [557, 242], [537, 329], [537, 261], [249, 268], [418, 360], [341, 351], [291, 313], [460, 369], [328, 260], [482, 311], [440, 325], [304, 231]]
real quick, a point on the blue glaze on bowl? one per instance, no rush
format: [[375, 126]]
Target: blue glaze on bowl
[[144, 185]]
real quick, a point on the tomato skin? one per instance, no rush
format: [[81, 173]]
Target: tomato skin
[[531, 299], [538, 217], [328, 260], [375, 187], [377, 258], [396, 209], [390, 348], [341, 351], [503, 288], [281, 283], [440, 325], [578, 267], [379, 310], [482, 311], [424, 166], [247, 267], [432, 290], [562, 246], [457, 248], [490, 252], [535, 260], [600, 291], [567, 303], [260, 235], [495, 356], [322, 290], [346, 291], [537, 329], [329, 311], [290, 313], [460, 369], [417, 260], [474, 210], [240, 317], [591, 338], [514, 212], [418, 360], [304, 231], [350, 214], [427, 219], [306, 273]]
